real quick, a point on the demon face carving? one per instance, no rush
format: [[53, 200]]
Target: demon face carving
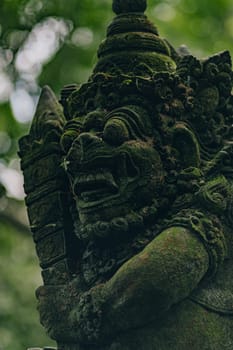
[[114, 168]]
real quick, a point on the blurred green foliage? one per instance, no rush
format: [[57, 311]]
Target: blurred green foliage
[[19, 320], [55, 43]]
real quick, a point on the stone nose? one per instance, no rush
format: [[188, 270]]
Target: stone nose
[[89, 141]]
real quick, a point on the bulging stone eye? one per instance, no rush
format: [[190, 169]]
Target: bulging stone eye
[[67, 139], [71, 131], [94, 120], [115, 132]]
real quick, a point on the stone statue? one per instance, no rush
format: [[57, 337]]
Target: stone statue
[[130, 197]]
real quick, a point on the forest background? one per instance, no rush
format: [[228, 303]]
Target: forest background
[[54, 42]]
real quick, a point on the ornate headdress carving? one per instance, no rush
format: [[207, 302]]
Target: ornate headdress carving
[[136, 66], [133, 45]]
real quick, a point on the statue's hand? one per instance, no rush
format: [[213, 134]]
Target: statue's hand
[[55, 304], [70, 315], [90, 318]]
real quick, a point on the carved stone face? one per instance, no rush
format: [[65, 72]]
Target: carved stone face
[[113, 167]]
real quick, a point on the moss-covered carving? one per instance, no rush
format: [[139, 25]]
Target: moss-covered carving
[[129, 195]]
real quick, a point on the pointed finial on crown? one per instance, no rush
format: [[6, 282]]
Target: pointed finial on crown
[[126, 6], [133, 41]]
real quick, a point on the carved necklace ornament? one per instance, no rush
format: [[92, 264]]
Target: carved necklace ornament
[[129, 195]]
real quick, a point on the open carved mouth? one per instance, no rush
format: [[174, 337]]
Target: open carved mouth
[[93, 187], [101, 179]]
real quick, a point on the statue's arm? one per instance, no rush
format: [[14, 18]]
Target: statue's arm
[[146, 286], [165, 272]]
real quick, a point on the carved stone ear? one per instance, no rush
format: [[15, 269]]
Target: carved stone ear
[[186, 143]]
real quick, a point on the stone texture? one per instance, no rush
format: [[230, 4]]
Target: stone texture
[[129, 195]]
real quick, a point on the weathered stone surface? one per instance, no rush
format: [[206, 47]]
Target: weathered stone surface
[[132, 216]]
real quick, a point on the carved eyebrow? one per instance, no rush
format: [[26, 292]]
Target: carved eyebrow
[[131, 118], [74, 124]]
